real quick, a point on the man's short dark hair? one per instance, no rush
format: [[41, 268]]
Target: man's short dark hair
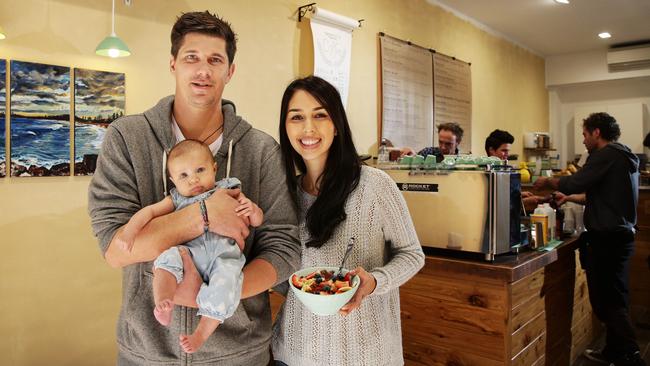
[[496, 139], [203, 23], [609, 129], [454, 128]]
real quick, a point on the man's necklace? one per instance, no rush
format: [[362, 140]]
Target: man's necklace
[[213, 132]]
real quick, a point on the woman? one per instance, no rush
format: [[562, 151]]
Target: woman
[[339, 199]]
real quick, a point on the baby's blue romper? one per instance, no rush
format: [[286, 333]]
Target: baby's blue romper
[[218, 260]]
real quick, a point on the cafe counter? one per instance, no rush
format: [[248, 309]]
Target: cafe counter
[[527, 309]]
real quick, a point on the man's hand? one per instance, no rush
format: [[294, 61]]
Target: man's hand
[[407, 151], [560, 198], [222, 206], [541, 183], [188, 289]]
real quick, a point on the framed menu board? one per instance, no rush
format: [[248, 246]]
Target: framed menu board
[[407, 94], [422, 88], [452, 101]]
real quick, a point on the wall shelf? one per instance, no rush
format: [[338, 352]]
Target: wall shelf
[[540, 149]]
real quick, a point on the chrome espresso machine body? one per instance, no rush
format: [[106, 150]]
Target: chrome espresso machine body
[[466, 210]]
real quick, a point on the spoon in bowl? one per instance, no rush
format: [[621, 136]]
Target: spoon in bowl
[[345, 257]]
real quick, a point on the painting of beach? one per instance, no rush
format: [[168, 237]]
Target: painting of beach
[[40, 120], [3, 100], [99, 100]]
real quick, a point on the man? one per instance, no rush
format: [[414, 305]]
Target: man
[[449, 137], [131, 174], [609, 181], [498, 143]]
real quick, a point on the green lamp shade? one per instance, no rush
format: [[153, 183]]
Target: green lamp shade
[[2, 34], [112, 46]]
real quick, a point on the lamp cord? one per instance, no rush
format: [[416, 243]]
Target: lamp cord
[[113, 20]]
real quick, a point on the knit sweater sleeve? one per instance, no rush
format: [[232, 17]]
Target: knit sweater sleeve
[[405, 253]]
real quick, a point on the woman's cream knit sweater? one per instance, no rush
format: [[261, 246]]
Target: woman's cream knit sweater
[[387, 247]]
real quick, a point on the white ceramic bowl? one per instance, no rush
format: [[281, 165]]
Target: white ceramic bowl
[[324, 304]]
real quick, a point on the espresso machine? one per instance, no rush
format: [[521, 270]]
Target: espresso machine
[[476, 211]]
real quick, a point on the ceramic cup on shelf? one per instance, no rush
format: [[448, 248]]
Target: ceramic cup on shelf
[[530, 140]]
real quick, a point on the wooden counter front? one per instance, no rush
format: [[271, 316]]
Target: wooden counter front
[[526, 309]]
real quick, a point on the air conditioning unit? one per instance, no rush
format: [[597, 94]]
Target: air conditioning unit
[[629, 58]]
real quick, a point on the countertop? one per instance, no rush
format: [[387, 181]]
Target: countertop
[[506, 267]]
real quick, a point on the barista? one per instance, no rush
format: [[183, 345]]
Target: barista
[[449, 137], [498, 143], [610, 180]]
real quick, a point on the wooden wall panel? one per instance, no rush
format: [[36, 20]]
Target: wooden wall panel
[[525, 311], [584, 331], [422, 309], [532, 353], [640, 268], [527, 334], [640, 277], [420, 353], [417, 327], [540, 362], [471, 293], [526, 287]]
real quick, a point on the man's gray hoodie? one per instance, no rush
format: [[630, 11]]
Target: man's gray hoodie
[[130, 174], [610, 178]]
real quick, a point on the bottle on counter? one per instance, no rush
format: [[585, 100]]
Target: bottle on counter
[[541, 215], [550, 212], [569, 227], [524, 173], [578, 215], [383, 156]]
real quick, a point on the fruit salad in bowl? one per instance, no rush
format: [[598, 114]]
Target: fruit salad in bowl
[[321, 291]]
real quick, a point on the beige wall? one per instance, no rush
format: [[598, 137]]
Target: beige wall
[[59, 300]]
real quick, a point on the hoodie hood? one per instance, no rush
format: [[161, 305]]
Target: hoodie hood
[[160, 118], [625, 151]]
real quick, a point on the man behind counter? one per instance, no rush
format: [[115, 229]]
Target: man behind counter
[[609, 180], [449, 137], [498, 143]]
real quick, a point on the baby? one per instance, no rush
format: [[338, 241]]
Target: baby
[[218, 259]]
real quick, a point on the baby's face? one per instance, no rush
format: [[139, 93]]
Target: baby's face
[[192, 172]]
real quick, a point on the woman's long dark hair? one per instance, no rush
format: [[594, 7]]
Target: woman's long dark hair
[[342, 169]]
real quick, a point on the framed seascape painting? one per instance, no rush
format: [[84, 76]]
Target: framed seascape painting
[[40, 120], [99, 100], [3, 101]]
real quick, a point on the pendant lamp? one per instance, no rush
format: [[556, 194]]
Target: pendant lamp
[[113, 46], [2, 34]]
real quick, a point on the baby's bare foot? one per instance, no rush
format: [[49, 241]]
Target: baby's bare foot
[[163, 312], [191, 343]]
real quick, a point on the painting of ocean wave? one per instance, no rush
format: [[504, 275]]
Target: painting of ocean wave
[[40, 119], [3, 96], [99, 100]]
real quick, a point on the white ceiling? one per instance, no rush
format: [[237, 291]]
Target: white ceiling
[[548, 28]]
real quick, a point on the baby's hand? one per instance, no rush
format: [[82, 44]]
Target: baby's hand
[[249, 209]]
